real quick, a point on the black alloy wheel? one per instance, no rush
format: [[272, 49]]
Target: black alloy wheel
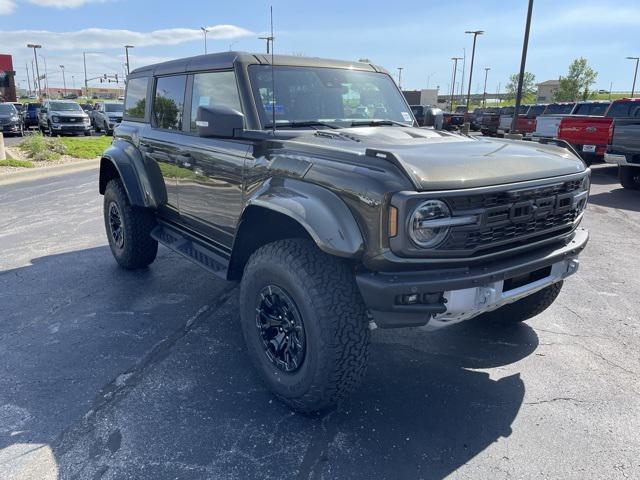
[[116, 227], [280, 328]]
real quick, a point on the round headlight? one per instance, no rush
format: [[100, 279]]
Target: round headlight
[[423, 228], [55, 119]]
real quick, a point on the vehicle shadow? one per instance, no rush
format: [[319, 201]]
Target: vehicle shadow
[[604, 174], [619, 198], [126, 375]]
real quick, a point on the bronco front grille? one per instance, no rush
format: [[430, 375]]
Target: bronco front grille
[[509, 217]]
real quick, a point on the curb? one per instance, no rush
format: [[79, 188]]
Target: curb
[[54, 171]]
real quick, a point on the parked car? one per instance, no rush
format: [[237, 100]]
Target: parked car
[[19, 107], [590, 134], [31, 114], [624, 146], [452, 121], [490, 122], [506, 116], [87, 107], [10, 120], [547, 124], [333, 225], [58, 117], [105, 116]]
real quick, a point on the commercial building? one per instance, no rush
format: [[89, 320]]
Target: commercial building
[[426, 96], [7, 79], [547, 90]]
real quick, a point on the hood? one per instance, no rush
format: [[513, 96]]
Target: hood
[[437, 160], [68, 113]]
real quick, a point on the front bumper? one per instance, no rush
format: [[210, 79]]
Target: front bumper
[[619, 159], [451, 295], [71, 127], [10, 128]]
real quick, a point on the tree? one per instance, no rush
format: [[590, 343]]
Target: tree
[[577, 82], [528, 85]]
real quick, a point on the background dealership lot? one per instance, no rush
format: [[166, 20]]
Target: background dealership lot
[[113, 374]]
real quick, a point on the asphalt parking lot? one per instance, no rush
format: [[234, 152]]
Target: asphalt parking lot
[[142, 375]]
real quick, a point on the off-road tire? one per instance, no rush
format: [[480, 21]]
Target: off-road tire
[[629, 177], [336, 329], [525, 308], [138, 248]]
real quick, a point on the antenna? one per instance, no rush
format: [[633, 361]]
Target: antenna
[[273, 81]]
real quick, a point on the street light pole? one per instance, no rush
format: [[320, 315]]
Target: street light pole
[[400, 77], [64, 81], [484, 91], [205, 31], [635, 75], [475, 34], [126, 52], [523, 62], [453, 84], [35, 55], [46, 76]]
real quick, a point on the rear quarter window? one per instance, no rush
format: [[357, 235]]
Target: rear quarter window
[[135, 103]]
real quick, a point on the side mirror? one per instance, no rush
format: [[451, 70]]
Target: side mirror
[[219, 121]]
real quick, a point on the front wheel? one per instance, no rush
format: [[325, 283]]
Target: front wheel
[[629, 177], [525, 308], [128, 229], [304, 324]]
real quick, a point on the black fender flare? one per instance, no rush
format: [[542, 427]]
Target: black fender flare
[[143, 181], [325, 217]]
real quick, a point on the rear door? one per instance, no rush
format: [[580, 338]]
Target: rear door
[[210, 170]]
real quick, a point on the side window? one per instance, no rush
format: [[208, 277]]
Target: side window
[[136, 99], [216, 88], [168, 102], [620, 109]]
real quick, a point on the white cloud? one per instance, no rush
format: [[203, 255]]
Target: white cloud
[[64, 3], [100, 38], [7, 7]]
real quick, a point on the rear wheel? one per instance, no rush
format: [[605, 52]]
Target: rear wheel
[[304, 323], [525, 308], [128, 229], [629, 177]]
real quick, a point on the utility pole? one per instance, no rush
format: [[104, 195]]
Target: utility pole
[[205, 31], [86, 81], [400, 78], [635, 75], [126, 52], [64, 81], [484, 91], [453, 85], [523, 62], [464, 69], [46, 76], [28, 78], [35, 55]]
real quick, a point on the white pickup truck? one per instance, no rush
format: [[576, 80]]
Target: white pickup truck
[[547, 124]]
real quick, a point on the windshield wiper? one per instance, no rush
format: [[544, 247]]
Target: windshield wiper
[[377, 123], [301, 124]]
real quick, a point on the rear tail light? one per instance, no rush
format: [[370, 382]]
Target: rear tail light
[[611, 127]]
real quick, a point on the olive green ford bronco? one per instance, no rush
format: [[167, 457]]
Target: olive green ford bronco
[[308, 181]]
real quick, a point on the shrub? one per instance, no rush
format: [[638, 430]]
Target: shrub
[[41, 149], [10, 162]]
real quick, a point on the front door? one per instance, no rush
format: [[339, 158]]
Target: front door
[[210, 171]]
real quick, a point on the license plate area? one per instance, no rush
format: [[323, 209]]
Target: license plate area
[[527, 278], [589, 148]]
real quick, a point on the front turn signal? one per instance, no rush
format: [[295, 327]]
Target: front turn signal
[[393, 221]]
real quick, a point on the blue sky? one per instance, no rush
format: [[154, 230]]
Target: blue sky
[[419, 36]]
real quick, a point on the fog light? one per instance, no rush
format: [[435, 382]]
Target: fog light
[[410, 299]]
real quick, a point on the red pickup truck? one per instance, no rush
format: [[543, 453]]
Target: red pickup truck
[[590, 134]]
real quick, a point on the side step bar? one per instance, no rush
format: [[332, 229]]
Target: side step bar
[[196, 250]]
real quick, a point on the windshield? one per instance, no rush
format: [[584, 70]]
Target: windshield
[[7, 110], [559, 109], [64, 107], [591, 109], [536, 110], [33, 106], [113, 107], [331, 96]]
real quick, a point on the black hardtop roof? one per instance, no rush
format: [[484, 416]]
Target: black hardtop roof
[[225, 60]]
